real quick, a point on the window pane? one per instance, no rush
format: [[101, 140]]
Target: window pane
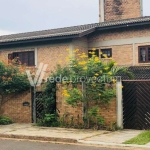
[[31, 59], [143, 54], [107, 52], [148, 53], [89, 53], [25, 57], [96, 52]]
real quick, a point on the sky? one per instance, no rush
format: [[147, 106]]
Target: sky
[[32, 15]]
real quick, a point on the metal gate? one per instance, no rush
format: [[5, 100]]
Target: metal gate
[[37, 106], [136, 104]]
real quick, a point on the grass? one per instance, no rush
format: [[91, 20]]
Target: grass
[[141, 139]]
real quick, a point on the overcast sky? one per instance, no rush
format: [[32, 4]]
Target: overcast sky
[[31, 15]]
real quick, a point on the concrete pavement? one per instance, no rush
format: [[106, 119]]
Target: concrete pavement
[[90, 137]]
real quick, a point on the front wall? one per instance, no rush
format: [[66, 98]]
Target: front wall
[[124, 43], [13, 107], [107, 111]]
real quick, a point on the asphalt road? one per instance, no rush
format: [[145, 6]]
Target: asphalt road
[[28, 145]]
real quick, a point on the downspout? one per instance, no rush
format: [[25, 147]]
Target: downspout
[[133, 53], [36, 57]]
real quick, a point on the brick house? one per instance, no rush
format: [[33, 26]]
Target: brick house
[[122, 33]]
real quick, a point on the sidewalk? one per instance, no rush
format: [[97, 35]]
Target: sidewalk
[[90, 137]]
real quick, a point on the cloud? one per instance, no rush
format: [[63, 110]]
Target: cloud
[[4, 32]]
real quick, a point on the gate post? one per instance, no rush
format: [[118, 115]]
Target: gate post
[[119, 101]]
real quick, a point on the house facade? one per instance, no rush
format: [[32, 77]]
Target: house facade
[[123, 34]]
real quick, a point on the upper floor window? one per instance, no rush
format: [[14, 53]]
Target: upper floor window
[[144, 54], [106, 53], [23, 57], [91, 52]]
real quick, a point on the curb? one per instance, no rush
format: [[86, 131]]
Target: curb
[[113, 144], [71, 141], [39, 138]]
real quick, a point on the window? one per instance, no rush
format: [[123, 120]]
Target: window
[[95, 51], [107, 52], [144, 54], [24, 57]]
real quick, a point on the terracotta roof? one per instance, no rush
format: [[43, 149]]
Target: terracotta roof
[[70, 31]]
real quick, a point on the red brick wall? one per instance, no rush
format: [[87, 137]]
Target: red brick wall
[[13, 107], [108, 111]]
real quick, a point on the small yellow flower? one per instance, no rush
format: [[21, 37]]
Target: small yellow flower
[[106, 68], [114, 81], [101, 53], [94, 85], [99, 94], [121, 87], [75, 65], [115, 64], [96, 74], [67, 95], [94, 77], [96, 59], [101, 71], [83, 56], [82, 63], [105, 56], [76, 50], [85, 68], [110, 73], [92, 53]]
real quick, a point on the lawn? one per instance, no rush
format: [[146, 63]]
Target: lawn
[[141, 139]]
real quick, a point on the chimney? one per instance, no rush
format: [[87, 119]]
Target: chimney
[[120, 9]]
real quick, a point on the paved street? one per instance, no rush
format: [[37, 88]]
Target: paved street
[[27, 145]]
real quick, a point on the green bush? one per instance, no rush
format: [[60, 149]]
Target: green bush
[[49, 120], [5, 120]]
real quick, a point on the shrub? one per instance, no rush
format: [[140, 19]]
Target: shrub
[[5, 120], [49, 120]]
